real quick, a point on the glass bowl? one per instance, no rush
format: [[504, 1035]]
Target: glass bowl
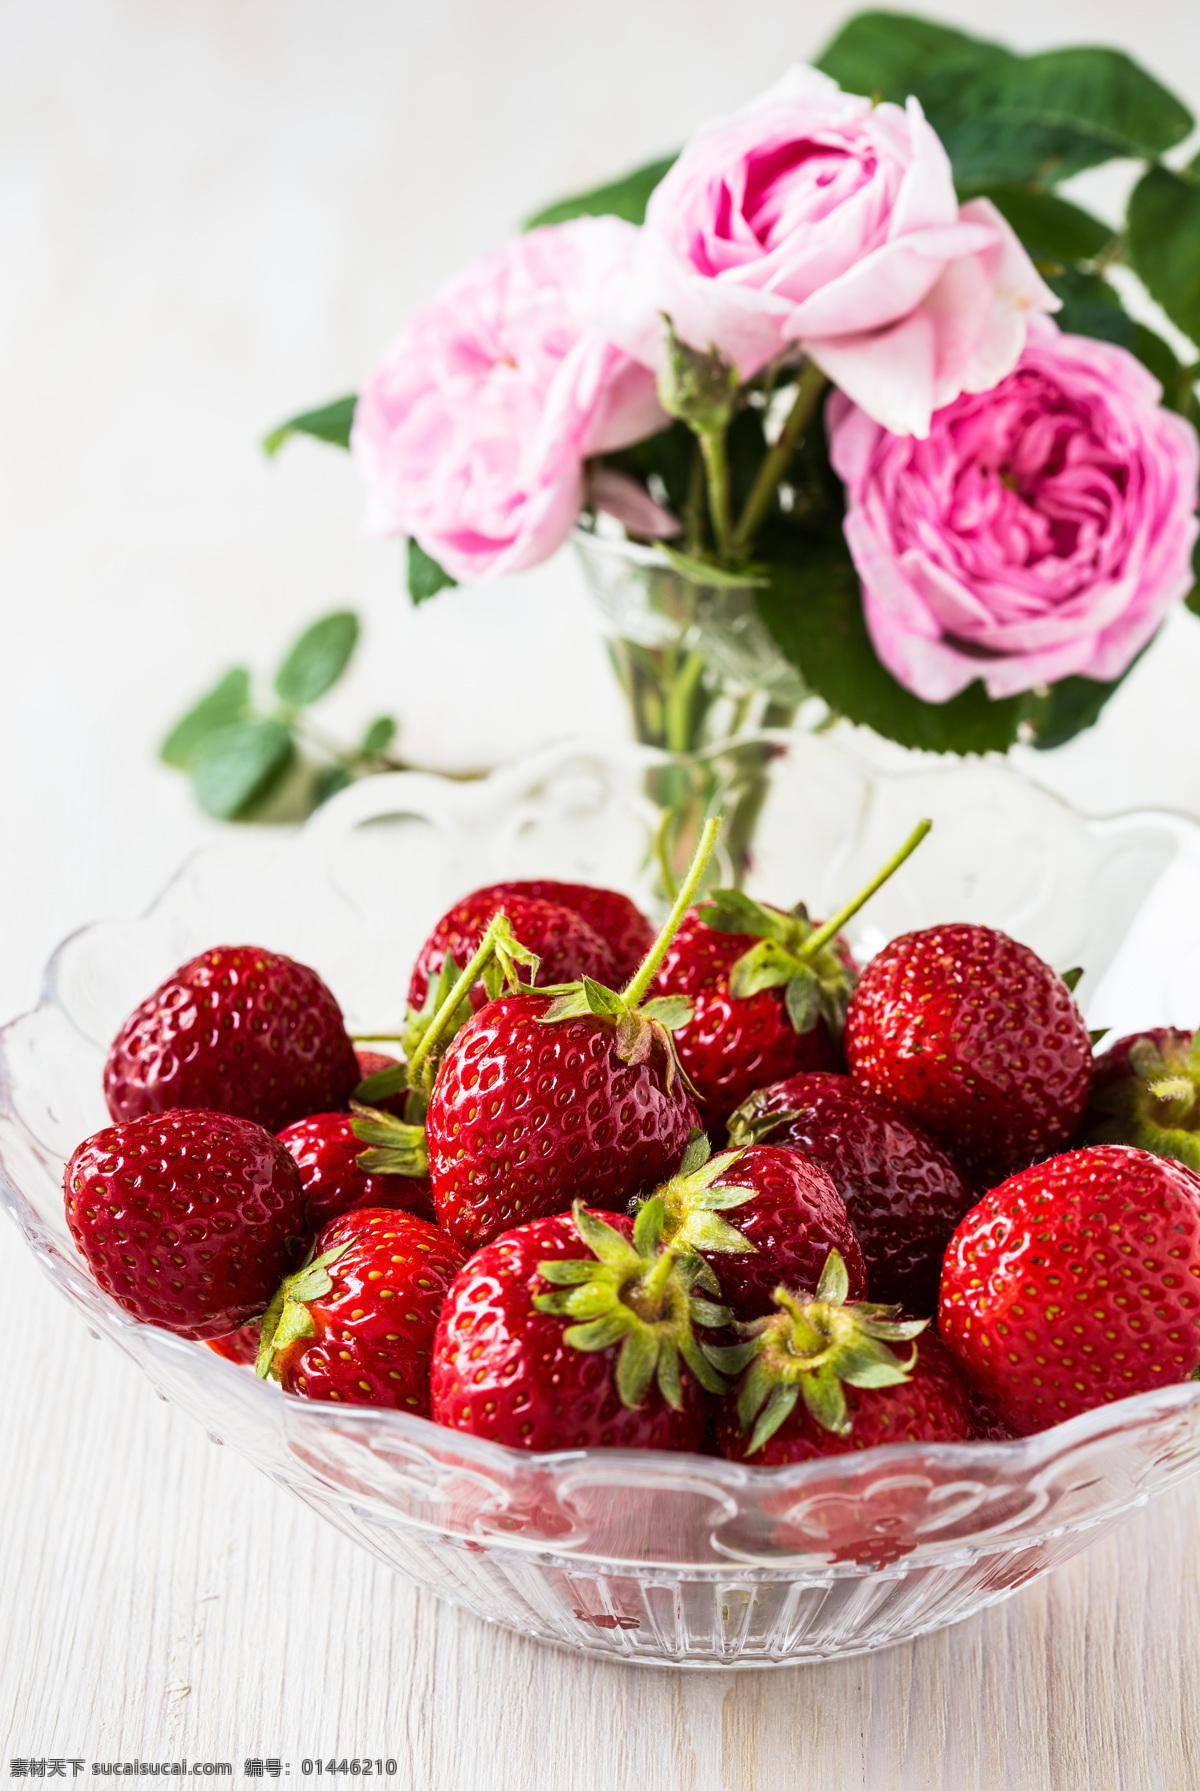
[[681, 1559]]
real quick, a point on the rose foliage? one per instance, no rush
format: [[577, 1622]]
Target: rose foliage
[[855, 343]]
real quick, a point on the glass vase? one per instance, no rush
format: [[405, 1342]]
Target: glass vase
[[704, 682]]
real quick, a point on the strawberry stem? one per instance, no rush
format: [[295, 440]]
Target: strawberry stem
[[643, 975], [466, 982], [825, 933]]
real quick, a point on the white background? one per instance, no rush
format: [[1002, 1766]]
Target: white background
[[213, 214]]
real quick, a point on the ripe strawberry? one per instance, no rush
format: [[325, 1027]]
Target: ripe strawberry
[[356, 1323], [562, 940], [768, 990], [237, 1030], [239, 1346], [743, 1034], [327, 1152], [784, 1215], [1146, 1091], [188, 1219], [626, 930], [820, 1380], [975, 1040], [903, 1194], [628, 1374], [1076, 1282], [530, 1112]]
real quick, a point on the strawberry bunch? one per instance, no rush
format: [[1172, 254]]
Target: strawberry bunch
[[712, 1187]]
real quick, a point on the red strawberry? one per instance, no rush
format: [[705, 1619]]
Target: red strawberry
[[903, 1193], [239, 1346], [529, 1113], [618, 921], [237, 1030], [1075, 1282], [372, 1064], [564, 943], [356, 1323], [977, 1041], [1146, 1091], [759, 1217], [768, 990], [628, 1374], [188, 1219], [741, 1036], [327, 1149], [820, 1380]]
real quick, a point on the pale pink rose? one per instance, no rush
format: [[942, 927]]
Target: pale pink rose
[[472, 434], [814, 218], [1042, 529]]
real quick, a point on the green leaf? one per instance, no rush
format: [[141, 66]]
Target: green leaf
[[803, 1000], [1091, 307], [239, 764], [318, 659], [1072, 705], [1050, 228], [624, 198], [814, 611], [1164, 244], [1006, 119], [378, 736], [381, 1084], [329, 424], [226, 702], [1073, 977], [425, 577], [330, 782], [1177, 381], [669, 1010], [767, 965]]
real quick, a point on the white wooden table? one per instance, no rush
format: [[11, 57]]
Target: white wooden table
[[210, 216]]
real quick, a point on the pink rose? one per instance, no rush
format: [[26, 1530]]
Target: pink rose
[[472, 434], [813, 217], [1043, 529]]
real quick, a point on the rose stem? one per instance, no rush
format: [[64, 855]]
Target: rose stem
[[808, 390]]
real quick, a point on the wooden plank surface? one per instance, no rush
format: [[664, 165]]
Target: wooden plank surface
[[159, 1598]]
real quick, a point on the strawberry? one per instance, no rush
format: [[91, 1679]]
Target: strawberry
[[356, 1323], [1075, 1282], [239, 1346], [530, 1112], [373, 1064], [819, 1379], [546, 1097], [783, 1216], [977, 1041], [768, 990], [628, 1374], [619, 922], [327, 1151], [237, 1030], [903, 1194], [565, 945], [1146, 1091], [188, 1219]]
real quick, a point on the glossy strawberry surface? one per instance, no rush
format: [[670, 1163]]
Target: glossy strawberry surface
[[188, 1219], [503, 1370], [327, 1152], [793, 1219], [903, 1193], [732, 1046], [238, 1030], [527, 1117], [373, 1329], [238, 1346], [620, 922], [932, 1406], [977, 1041], [563, 940], [1076, 1282]]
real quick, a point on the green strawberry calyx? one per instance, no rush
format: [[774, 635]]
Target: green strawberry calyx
[[1157, 1105], [288, 1316], [792, 953], [809, 1349], [754, 1122], [642, 1295], [692, 1207], [398, 1146], [640, 1024]]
